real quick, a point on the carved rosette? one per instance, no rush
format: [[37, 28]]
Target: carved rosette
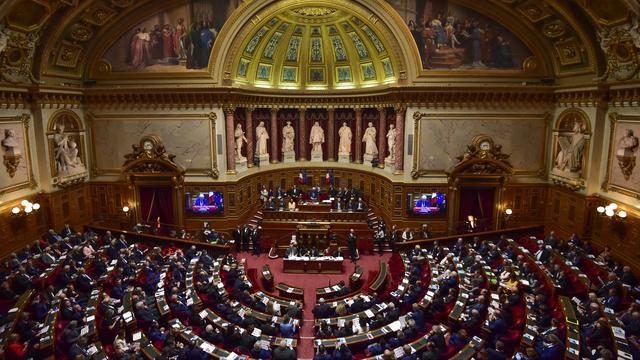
[[621, 45]]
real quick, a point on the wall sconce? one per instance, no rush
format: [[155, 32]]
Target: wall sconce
[[610, 212], [26, 207], [127, 212]]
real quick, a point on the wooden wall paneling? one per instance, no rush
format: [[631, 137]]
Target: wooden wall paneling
[[568, 213], [527, 202], [17, 232]]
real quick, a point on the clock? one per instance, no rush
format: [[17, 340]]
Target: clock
[[485, 145], [147, 145]]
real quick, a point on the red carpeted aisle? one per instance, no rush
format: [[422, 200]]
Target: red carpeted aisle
[[310, 282]]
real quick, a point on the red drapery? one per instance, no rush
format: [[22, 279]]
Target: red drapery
[[156, 202], [477, 202]]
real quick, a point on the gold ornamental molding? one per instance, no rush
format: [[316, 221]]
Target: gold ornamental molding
[[410, 97]]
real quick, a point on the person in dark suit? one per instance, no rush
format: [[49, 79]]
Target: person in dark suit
[[352, 241], [394, 236], [79, 348], [498, 353], [283, 352], [67, 231], [322, 310], [543, 254], [255, 239], [551, 240], [237, 237], [246, 236], [380, 239], [295, 192], [52, 237]]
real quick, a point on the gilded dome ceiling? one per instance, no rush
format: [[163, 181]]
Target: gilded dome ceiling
[[314, 47]]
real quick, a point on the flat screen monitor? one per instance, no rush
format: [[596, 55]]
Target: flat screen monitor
[[427, 204], [210, 203]]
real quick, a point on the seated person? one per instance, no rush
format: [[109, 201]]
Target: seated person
[[292, 204]]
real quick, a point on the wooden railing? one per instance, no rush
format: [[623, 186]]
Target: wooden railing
[[484, 235], [156, 240]]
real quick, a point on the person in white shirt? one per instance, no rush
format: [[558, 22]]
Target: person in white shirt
[[407, 235]]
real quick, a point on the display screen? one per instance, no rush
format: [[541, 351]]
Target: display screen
[[427, 204], [204, 203]]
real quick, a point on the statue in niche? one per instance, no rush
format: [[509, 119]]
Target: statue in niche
[[316, 138], [344, 147], [240, 140], [369, 138], [571, 155], [65, 153], [261, 139], [392, 136], [288, 137]]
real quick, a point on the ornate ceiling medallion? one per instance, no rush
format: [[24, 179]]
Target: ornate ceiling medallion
[[314, 11]]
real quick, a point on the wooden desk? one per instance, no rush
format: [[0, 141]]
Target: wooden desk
[[311, 206], [312, 265], [355, 278], [329, 292], [290, 292], [381, 278], [573, 329]]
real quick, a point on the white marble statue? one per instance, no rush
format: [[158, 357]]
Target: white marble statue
[[288, 137], [65, 153], [571, 154], [344, 146], [369, 138], [240, 140], [316, 138], [392, 136], [261, 139]]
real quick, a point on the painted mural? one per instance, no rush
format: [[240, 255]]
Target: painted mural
[[450, 36], [178, 39]]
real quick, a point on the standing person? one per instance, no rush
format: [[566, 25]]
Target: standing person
[[380, 240], [246, 234], [393, 237], [255, 239], [351, 241], [237, 237]]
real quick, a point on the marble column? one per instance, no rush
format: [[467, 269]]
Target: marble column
[[231, 144], [303, 136], [249, 133], [382, 136], [331, 135], [400, 111], [274, 136], [358, 137]]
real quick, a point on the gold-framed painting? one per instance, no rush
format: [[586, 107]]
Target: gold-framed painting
[[67, 157], [17, 172], [623, 175], [438, 137]]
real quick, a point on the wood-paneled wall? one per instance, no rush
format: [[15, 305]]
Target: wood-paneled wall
[[567, 212], [17, 231], [528, 202]]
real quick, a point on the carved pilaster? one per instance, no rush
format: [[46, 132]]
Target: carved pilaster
[[249, 133], [274, 135], [331, 134], [229, 112], [382, 136], [358, 158], [400, 111], [303, 135]]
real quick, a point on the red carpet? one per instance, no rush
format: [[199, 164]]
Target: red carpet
[[310, 282]]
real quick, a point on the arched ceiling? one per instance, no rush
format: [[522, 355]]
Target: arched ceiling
[[69, 33], [315, 47]]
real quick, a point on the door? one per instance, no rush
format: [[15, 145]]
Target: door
[[479, 203], [156, 204]]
